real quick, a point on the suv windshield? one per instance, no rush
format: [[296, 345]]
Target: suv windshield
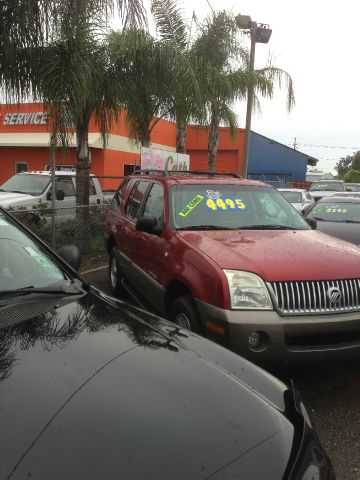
[[336, 212], [22, 262], [24, 183], [221, 206], [330, 186], [292, 197]]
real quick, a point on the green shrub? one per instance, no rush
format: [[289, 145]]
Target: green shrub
[[352, 176]]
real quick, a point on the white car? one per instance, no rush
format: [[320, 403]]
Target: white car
[[326, 188], [351, 194], [298, 197]]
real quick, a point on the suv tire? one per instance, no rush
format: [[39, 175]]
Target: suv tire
[[184, 313], [115, 276]]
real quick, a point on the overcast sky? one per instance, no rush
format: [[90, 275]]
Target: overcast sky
[[317, 43]]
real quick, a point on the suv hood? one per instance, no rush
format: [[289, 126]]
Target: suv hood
[[10, 198], [90, 390], [279, 255]]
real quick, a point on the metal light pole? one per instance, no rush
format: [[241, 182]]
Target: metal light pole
[[258, 34]]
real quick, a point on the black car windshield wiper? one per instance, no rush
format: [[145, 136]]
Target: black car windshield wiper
[[72, 289], [267, 227], [205, 227]]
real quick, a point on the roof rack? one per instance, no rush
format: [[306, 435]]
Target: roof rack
[[192, 172]]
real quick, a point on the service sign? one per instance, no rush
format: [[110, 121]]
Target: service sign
[[29, 118], [153, 159]]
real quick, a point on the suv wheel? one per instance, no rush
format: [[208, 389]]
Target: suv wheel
[[115, 274], [185, 314]]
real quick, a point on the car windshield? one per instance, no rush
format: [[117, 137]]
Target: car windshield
[[329, 186], [24, 183], [355, 187], [221, 206], [336, 212], [292, 197], [23, 263]]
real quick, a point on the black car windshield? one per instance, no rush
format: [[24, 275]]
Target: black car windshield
[[336, 212], [327, 186], [292, 197], [23, 263], [222, 206], [31, 184]]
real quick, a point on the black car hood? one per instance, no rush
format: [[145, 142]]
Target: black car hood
[[350, 232], [90, 390]]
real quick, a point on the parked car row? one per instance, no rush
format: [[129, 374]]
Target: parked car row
[[94, 388]]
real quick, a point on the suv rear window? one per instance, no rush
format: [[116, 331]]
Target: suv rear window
[[231, 206]]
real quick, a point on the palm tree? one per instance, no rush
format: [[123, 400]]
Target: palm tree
[[74, 82], [146, 70], [26, 25], [185, 100]]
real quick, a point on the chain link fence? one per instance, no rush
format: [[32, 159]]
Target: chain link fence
[[83, 226]]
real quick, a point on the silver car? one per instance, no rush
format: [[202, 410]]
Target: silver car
[[299, 198]]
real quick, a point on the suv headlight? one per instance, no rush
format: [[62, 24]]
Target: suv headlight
[[247, 291]]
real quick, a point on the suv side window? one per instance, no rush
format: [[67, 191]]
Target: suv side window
[[119, 195], [136, 199], [154, 206]]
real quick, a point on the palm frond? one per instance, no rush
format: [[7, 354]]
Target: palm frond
[[170, 22]]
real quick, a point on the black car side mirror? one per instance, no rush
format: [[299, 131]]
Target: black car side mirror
[[311, 222], [71, 254], [148, 225]]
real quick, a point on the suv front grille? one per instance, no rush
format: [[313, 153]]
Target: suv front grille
[[314, 296]]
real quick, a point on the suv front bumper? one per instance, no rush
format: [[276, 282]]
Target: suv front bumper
[[285, 339]]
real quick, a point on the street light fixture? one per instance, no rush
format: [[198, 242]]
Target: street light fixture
[[258, 34]]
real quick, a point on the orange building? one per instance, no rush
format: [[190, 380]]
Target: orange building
[[24, 141]]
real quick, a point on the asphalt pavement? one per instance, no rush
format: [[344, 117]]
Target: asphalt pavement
[[331, 395]]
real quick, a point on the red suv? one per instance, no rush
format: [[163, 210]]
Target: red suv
[[233, 260]]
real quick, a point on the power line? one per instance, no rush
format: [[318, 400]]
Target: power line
[[324, 146]]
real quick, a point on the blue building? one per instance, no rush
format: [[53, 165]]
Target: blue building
[[272, 161]]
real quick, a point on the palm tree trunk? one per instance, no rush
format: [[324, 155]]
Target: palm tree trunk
[[180, 136], [145, 141], [213, 142], [82, 188]]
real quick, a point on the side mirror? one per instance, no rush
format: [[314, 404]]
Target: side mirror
[[72, 256], [306, 209], [148, 225], [60, 195], [311, 222], [348, 189]]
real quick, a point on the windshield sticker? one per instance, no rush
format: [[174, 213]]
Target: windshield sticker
[[191, 205], [213, 195], [40, 259], [225, 204], [336, 210]]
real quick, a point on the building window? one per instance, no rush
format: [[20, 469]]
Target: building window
[[129, 169], [21, 167]]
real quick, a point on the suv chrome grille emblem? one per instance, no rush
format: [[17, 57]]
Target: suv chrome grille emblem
[[316, 296], [334, 295]]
